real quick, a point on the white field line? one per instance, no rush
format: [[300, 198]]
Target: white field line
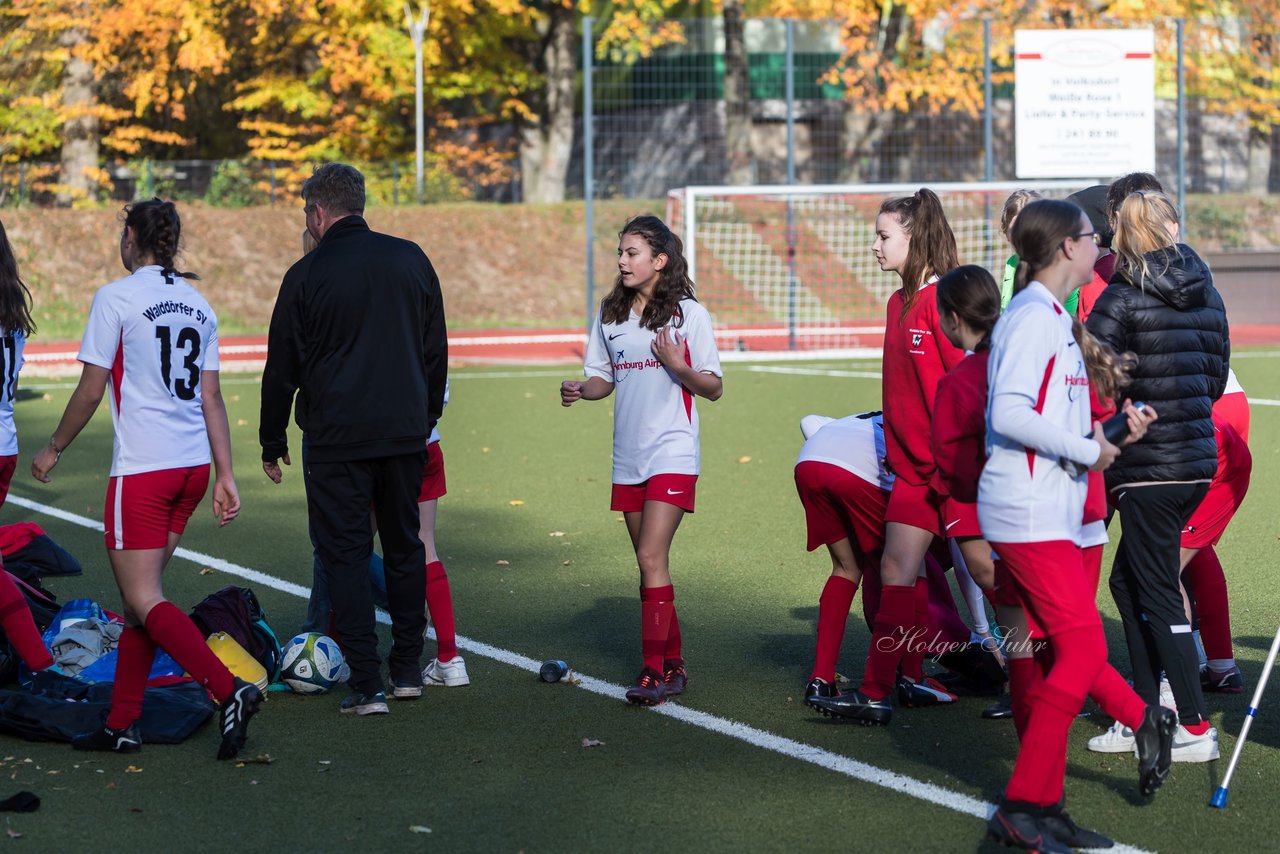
[[901, 783]]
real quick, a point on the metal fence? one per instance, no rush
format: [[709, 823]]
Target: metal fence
[[659, 122]]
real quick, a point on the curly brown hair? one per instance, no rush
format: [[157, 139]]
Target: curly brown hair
[[673, 285], [157, 230]]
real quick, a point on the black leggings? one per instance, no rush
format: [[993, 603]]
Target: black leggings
[[1144, 584]]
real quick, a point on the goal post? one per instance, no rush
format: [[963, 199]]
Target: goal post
[[789, 270]]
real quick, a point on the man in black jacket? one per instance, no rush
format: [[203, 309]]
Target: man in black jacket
[[358, 332]]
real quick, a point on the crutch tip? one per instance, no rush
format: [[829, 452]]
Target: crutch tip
[[1219, 799]]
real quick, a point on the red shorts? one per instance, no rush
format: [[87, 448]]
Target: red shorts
[[432, 475], [143, 509], [1005, 592], [677, 489], [1233, 408], [1219, 505], [7, 466], [840, 505], [917, 506], [960, 519], [1052, 584]]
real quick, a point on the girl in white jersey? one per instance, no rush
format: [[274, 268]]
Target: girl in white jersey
[[154, 339], [15, 325], [652, 341], [1031, 501]]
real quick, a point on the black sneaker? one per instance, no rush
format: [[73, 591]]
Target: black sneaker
[[234, 717], [406, 689], [675, 677], [1154, 742], [104, 737], [1000, 710], [855, 706], [1057, 822], [364, 704], [819, 688], [1022, 826]]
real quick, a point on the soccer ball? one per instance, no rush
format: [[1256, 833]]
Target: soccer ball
[[312, 663]]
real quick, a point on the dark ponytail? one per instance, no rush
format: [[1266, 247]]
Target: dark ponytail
[[1038, 233], [932, 251], [972, 295], [157, 231], [15, 299]]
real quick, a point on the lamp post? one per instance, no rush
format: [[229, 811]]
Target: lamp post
[[417, 31]]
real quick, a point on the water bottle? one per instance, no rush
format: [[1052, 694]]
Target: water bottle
[[553, 670], [1115, 429]]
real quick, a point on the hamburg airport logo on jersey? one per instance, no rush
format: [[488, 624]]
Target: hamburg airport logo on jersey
[[622, 366], [1077, 381]]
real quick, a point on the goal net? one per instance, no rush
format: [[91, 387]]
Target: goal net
[[789, 269]]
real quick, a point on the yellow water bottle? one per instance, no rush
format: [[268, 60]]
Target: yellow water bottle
[[237, 660]]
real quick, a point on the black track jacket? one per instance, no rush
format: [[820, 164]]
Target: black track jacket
[[358, 331]]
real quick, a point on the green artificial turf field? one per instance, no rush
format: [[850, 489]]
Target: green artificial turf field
[[541, 569]]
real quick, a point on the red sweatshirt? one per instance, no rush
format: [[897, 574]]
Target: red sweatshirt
[[960, 429], [916, 356]]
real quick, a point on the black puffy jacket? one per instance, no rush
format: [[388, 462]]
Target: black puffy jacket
[[1176, 324]]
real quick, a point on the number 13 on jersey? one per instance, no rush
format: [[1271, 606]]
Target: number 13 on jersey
[[180, 345]]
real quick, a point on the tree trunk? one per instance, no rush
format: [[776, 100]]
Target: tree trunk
[[546, 143], [1259, 174], [861, 129], [80, 126], [737, 97]]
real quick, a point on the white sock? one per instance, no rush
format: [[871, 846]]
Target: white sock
[[1221, 665]]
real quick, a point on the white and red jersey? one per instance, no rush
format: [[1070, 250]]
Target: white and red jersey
[[156, 334], [854, 443], [655, 422], [1038, 405], [11, 345]]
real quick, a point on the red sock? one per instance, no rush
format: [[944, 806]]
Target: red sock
[[134, 656], [1209, 589], [890, 633], [1197, 729], [833, 610], [674, 648], [174, 632], [1117, 698], [440, 604], [656, 606], [1024, 678], [19, 626], [1036, 776], [917, 642]]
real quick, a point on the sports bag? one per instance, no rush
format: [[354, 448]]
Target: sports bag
[[236, 611]]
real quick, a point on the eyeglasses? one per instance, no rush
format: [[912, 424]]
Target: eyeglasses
[[1097, 238]]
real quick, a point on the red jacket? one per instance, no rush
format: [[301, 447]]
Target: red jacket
[[916, 356], [960, 429]]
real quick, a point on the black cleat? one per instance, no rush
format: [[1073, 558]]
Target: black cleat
[[819, 688], [234, 717], [1057, 822], [1227, 682], [854, 705], [1022, 826], [674, 677], [104, 737], [649, 689], [928, 692], [1154, 741]]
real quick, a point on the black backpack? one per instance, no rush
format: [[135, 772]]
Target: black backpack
[[236, 611]]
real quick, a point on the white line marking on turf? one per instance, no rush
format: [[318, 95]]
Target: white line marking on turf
[[1262, 401], [900, 783], [815, 372]]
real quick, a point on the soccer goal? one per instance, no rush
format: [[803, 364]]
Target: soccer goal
[[788, 269]]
